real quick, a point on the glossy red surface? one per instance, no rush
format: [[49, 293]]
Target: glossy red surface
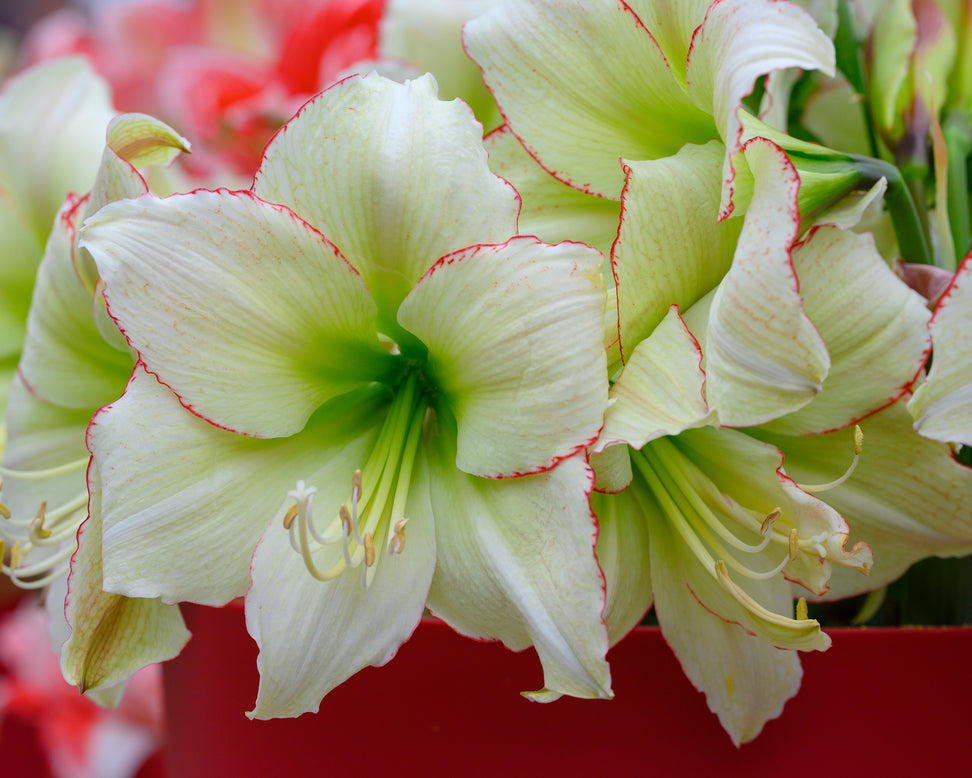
[[879, 702]]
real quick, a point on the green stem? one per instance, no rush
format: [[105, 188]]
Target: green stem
[[912, 238], [850, 62], [958, 145]]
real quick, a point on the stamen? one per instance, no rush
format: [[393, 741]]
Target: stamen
[[801, 609], [15, 556], [290, 515], [770, 520], [397, 544], [4, 510], [858, 448], [794, 544], [37, 525]]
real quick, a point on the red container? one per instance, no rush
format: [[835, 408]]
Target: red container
[[893, 702]]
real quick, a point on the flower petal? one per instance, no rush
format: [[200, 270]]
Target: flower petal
[[185, 502], [551, 211], [112, 636], [600, 102], [623, 555], [872, 323], [515, 339], [313, 635], [942, 405], [393, 176], [739, 41], [516, 563], [746, 680], [252, 317], [65, 358], [763, 355], [908, 498], [671, 248], [660, 390]]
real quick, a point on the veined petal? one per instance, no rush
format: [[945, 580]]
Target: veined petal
[[671, 248], [112, 636], [251, 316], [739, 41], [52, 129], [600, 102], [623, 555], [551, 211], [65, 358], [872, 323], [942, 405], [746, 680], [763, 355], [515, 339], [660, 390], [393, 176], [908, 498], [186, 502], [313, 635], [672, 24], [516, 563]]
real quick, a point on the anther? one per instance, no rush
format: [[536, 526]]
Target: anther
[[369, 546], [801, 609], [37, 525], [15, 556], [290, 515], [398, 539], [858, 448], [345, 520], [858, 440], [770, 520], [4, 511], [794, 544]]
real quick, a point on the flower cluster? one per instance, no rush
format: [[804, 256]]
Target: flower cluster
[[689, 329]]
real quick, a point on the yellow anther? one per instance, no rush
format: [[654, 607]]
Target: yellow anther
[[794, 544], [345, 520], [3, 550], [4, 511], [15, 556], [858, 440], [290, 515], [770, 520], [801, 609], [398, 539], [37, 525], [369, 546]]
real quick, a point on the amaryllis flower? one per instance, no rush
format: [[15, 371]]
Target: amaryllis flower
[[942, 405], [75, 361], [358, 396], [738, 324], [52, 130], [634, 79]]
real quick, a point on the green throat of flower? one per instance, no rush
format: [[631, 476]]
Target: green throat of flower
[[371, 522], [36, 550]]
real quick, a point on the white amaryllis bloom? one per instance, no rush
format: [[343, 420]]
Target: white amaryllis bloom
[[780, 337], [52, 129], [75, 361], [365, 379], [942, 405], [634, 79]]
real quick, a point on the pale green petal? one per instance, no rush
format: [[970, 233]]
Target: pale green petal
[[394, 177], [660, 390], [551, 211], [22, 251], [671, 249], [515, 339], [186, 502], [313, 635], [53, 119], [428, 34], [672, 24], [599, 102], [740, 41], [763, 355], [746, 680], [112, 636], [65, 358], [872, 323], [623, 554], [246, 312], [908, 499], [516, 563], [897, 32], [942, 405]]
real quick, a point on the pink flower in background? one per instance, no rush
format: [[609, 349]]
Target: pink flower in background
[[79, 739], [226, 74]]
